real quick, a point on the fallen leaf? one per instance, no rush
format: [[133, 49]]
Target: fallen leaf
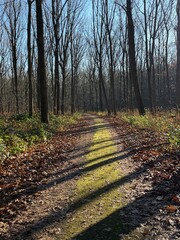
[[175, 199], [171, 208]]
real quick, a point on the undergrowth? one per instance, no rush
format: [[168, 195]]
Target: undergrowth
[[166, 123], [18, 132]]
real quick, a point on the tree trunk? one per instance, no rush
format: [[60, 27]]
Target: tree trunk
[[29, 59], [178, 57], [56, 26], [72, 79], [63, 90], [132, 60], [147, 60], [167, 68], [41, 63], [72, 86], [100, 95], [57, 84], [104, 90], [14, 54]]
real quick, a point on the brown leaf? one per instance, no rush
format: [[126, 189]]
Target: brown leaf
[[175, 199], [171, 208]]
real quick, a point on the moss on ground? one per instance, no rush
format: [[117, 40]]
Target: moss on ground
[[96, 205]]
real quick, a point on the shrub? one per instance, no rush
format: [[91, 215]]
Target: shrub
[[174, 135], [19, 131], [2, 150], [14, 144], [164, 122]]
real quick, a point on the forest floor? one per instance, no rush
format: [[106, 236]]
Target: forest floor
[[101, 179]]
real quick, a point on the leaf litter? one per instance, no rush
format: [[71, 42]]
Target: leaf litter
[[153, 194], [156, 189], [24, 177]]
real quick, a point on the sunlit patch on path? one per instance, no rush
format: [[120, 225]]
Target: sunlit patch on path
[[94, 200]]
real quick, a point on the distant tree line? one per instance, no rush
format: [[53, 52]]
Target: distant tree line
[[55, 58]]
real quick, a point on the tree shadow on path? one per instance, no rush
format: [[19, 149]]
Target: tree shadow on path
[[122, 221]]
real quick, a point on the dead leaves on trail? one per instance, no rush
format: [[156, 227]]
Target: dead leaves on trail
[[163, 165], [149, 150], [21, 175], [171, 208], [176, 199]]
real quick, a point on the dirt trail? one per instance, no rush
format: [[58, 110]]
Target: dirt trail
[[97, 194], [78, 195]]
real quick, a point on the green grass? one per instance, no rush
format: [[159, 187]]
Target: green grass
[[18, 132], [165, 122]]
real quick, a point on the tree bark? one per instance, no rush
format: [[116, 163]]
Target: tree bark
[[29, 58], [178, 57], [111, 55], [56, 26], [63, 90], [101, 79], [132, 60], [41, 63]]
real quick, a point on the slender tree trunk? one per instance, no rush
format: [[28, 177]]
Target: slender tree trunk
[[130, 97], [167, 68], [111, 54], [132, 60], [57, 84], [127, 75], [1, 97], [41, 63], [104, 90], [72, 84], [154, 86], [56, 26], [100, 95], [112, 74], [147, 60], [63, 90], [38, 91], [113, 89], [14, 55], [29, 58], [178, 57], [73, 71]]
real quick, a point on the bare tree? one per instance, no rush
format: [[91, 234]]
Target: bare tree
[[3, 64], [178, 56], [30, 56], [57, 10], [13, 29], [41, 63], [99, 38], [66, 29], [77, 52], [109, 15], [152, 23], [132, 59], [167, 13], [69, 19]]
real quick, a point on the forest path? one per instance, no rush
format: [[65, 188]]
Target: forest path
[[96, 180], [97, 194], [75, 197]]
